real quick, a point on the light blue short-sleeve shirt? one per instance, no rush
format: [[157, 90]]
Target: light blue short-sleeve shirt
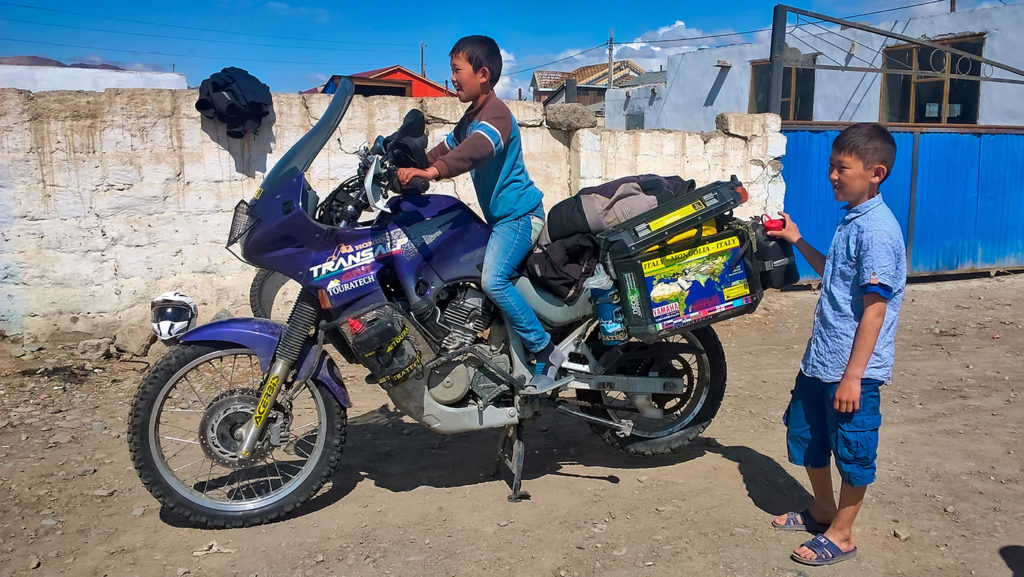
[[867, 252]]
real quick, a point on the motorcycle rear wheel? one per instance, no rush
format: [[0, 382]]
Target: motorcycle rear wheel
[[696, 357], [182, 436], [272, 295]]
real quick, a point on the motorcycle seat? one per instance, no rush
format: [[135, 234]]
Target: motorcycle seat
[[550, 309]]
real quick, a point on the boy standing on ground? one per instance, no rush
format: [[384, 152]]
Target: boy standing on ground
[[486, 142], [835, 404]]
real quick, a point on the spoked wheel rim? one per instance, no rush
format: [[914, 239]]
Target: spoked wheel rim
[[193, 426], [677, 357]]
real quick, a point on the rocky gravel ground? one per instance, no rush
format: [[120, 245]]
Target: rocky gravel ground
[[949, 499]]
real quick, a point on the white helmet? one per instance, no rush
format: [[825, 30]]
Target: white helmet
[[172, 314]]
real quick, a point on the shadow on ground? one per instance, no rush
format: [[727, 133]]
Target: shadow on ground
[[1013, 556], [401, 456], [769, 486]]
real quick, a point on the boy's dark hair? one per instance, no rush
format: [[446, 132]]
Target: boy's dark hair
[[480, 51], [870, 142]]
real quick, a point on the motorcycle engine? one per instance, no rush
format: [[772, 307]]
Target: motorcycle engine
[[467, 313]]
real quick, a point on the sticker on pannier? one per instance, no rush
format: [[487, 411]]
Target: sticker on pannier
[[691, 284]]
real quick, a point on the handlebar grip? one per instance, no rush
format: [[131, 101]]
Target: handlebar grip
[[419, 184]]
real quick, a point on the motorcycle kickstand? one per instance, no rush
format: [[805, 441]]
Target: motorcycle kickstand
[[511, 452]]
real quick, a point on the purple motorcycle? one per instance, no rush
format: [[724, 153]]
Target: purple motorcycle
[[244, 419]]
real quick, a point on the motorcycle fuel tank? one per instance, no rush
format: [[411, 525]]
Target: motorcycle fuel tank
[[449, 236]]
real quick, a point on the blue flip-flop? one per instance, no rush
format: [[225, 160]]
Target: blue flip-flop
[[825, 552], [802, 521]]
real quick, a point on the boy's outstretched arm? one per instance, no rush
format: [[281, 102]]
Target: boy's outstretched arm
[[791, 233], [430, 173], [448, 159], [847, 397]]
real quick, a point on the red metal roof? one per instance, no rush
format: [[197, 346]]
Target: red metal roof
[[401, 70], [378, 72]]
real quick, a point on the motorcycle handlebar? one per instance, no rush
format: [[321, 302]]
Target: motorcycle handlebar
[[419, 184]]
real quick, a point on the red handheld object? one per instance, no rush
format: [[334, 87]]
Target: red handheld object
[[775, 224]]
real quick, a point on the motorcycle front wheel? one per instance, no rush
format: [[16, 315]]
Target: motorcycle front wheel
[[695, 357], [184, 431]]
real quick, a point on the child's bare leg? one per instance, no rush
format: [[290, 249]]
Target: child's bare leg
[[824, 508], [841, 530]]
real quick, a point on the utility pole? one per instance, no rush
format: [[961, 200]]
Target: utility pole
[[777, 60], [952, 5], [423, 69], [611, 65]]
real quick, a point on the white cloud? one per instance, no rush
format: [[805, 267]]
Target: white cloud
[[509, 85], [317, 79], [144, 67], [651, 49]]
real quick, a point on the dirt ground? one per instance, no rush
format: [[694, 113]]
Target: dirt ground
[[949, 499]]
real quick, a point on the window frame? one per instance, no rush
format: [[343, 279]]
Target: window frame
[[915, 80], [788, 103]]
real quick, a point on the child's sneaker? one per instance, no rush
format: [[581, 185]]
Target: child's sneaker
[[548, 360]]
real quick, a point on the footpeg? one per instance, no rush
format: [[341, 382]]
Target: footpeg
[[544, 386]]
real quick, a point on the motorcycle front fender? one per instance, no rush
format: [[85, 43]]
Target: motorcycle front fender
[[261, 337]]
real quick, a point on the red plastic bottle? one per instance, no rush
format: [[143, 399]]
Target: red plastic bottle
[[775, 224]]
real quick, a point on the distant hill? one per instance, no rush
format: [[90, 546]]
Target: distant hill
[[41, 61]]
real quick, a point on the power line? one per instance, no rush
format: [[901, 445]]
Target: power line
[[768, 29], [848, 39], [156, 53], [890, 9], [147, 35], [705, 37], [521, 70], [708, 36], [183, 27]]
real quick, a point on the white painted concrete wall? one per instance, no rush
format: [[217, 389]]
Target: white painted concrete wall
[[691, 102], [110, 198], [41, 78]]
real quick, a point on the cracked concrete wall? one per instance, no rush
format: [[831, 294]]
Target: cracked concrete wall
[[108, 199]]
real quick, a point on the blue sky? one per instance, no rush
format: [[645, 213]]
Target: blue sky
[[293, 45]]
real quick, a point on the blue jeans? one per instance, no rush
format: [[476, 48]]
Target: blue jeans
[[510, 243]]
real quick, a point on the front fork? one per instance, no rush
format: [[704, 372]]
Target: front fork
[[253, 430], [302, 320]]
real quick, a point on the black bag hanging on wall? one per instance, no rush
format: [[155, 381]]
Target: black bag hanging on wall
[[236, 98]]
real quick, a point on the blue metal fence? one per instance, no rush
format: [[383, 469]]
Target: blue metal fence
[[960, 205]]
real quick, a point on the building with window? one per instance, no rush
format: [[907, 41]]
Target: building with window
[[923, 86], [391, 81], [585, 85]]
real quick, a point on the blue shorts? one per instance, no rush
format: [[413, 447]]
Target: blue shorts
[[815, 430]]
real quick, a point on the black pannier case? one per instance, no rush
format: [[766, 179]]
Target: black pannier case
[[686, 264]]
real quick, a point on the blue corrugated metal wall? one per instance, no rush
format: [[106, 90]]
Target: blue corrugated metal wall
[[968, 209]]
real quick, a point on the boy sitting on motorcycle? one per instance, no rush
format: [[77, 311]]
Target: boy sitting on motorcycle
[[486, 142]]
